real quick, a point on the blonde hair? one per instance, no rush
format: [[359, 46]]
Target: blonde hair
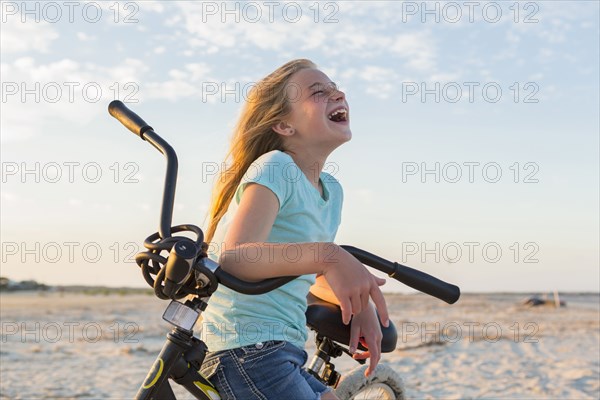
[[253, 136]]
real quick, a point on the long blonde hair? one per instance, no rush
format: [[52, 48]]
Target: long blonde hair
[[253, 136]]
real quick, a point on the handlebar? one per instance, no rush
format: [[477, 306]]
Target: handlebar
[[131, 120], [411, 277], [137, 125], [244, 287], [181, 262]]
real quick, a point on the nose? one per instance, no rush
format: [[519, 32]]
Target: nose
[[337, 95]]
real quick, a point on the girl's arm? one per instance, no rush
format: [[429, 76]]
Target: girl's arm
[[246, 256], [322, 290]]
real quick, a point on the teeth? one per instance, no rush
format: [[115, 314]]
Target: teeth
[[339, 111]]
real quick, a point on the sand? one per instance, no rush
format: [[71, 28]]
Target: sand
[[486, 346]]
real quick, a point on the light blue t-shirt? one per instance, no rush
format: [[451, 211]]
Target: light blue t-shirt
[[233, 319]]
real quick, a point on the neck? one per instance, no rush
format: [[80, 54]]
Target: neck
[[311, 164]]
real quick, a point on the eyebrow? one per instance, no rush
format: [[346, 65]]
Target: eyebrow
[[320, 83]]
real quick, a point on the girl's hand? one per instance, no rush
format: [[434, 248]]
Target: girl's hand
[[365, 328], [353, 285]]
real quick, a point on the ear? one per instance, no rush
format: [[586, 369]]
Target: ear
[[283, 128]]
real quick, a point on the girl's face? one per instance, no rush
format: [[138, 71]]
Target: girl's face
[[320, 116]]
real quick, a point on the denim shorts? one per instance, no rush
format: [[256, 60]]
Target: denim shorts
[[269, 370]]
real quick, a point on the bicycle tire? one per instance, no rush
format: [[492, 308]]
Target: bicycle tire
[[384, 383]]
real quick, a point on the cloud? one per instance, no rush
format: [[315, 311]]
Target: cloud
[[381, 82], [85, 37], [190, 81], [417, 48], [22, 37], [210, 33], [63, 90], [409, 53], [154, 6]]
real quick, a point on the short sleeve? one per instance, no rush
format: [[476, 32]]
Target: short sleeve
[[269, 170], [336, 193]]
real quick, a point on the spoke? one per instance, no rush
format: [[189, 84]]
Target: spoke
[[375, 391]]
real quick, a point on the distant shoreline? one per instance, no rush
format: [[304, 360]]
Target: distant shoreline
[[10, 286], [107, 290]]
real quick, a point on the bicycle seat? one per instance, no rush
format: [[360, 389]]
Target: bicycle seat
[[326, 319]]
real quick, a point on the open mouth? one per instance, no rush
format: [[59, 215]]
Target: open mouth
[[339, 115]]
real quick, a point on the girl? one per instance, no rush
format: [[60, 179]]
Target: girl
[[275, 213]]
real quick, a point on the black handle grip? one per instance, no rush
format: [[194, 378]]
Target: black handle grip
[[179, 266], [411, 277], [131, 120], [426, 283]]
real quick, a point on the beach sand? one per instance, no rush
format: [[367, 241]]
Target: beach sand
[[486, 346]]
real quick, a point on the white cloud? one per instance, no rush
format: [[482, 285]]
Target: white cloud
[[172, 90], [417, 48], [85, 37], [444, 77], [512, 37], [154, 6], [211, 33], [198, 71], [381, 82], [183, 83], [536, 76], [21, 37], [35, 95]]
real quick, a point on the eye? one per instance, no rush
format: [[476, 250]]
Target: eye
[[318, 92]]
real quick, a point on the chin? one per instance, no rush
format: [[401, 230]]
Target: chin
[[348, 135]]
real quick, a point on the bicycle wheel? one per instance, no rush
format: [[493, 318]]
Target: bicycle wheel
[[383, 384]]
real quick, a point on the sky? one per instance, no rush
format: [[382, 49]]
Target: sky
[[475, 149]]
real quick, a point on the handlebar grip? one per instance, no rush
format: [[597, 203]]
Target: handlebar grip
[[131, 120], [411, 277], [179, 266], [426, 283]]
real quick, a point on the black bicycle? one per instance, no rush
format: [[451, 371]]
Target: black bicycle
[[178, 267]]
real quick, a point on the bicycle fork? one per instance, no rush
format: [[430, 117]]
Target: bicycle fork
[[180, 359]]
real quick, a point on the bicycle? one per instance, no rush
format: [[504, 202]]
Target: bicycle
[[188, 272]]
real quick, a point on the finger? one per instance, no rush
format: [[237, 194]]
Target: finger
[[379, 301], [364, 301], [346, 307], [354, 337], [356, 304], [361, 356], [374, 355], [380, 281]]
